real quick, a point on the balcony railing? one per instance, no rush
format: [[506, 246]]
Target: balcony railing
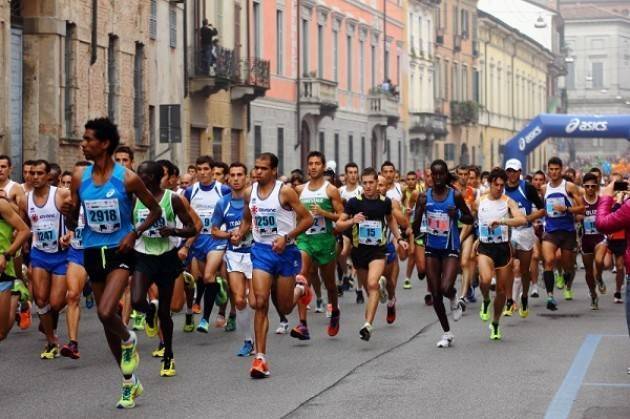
[[253, 72], [428, 123], [382, 103], [318, 91], [464, 112], [220, 63]]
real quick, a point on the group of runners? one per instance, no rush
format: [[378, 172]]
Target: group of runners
[[144, 242]]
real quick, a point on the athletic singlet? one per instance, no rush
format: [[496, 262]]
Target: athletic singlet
[[46, 222], [554, 220], [6, 238], [321, 225], [441, 229], [229, 213], [518, 195], [492, 210], [204, 201], [151, 241], [395, 193], [8, 187], [107, 209], [590, 212], [77, 239], [346, 194], [270, 219]]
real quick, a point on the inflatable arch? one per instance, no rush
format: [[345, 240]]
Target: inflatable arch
[[568, 126]]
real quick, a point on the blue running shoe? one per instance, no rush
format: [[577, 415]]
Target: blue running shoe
[[203, 326], [247, 349], [470, 295], [89, 301]]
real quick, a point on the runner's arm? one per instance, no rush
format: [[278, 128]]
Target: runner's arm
[[419, 213], [578, 202], [246, 224], [289, 198], [70, 209], [135, 186], [465, 215], [218, 220], [188, 225], [22, 232], [517, 218]]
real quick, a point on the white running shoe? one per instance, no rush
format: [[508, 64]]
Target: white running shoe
[[534, 293], [382, 289], [283, 328], [446, 340], [457, 309]]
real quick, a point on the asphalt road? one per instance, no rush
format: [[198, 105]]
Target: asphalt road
[[571, 363]]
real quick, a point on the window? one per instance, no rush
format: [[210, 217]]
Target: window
[[437, 79], [112, 78], [337, 147], [456, 21], [464, 22], [322, 142], [363, 152], [320, 51], [362, 66], [172, 26], [217, 143], [305, 50], [350, 148], [138, 93], [279, 42], [257, 140], [280, 150], [235, 151], [398, 70], [70, 80], [449, 151], [386, 64], [256, 29], [411, 38], [170, 126], [349, 61], [151, 124], [571, 75], [454, 82], [464, 82], [420, 47], [153, 20], [475, 86], [335, 52], [373, 66]]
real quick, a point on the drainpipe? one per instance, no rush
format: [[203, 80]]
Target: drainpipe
[[94, 32], [249, 54], [298, 122], [185, 48]]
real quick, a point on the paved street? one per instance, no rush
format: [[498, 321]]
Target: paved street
[[543, 363]]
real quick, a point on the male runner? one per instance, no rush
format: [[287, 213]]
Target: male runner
[[370, 215], [124, 156], [496, 212], [410, 196], [318, 244], [351, 189], [48, 258], [563, 201], [104, 190], [277, 217]]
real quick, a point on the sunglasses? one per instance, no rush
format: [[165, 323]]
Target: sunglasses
[[590, 186]]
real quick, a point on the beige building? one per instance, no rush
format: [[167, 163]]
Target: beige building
[[514, 79]]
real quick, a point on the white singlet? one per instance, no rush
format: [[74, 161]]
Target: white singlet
[[493, 210], [270, 219], [46, 222]]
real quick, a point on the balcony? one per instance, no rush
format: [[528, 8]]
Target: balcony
[[463, 113], [457, 43], [432, 125], [318, 96], [211, 74], [383, 108], [251, 80]]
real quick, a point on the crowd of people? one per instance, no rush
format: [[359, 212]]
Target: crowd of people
[[144, 242]]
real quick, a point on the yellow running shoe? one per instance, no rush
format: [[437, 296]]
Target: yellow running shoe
[[51, 351], [159, 352], [151, 325], [508, 310], [168, 368], [130, 359], [130, 392], [495, 332], [483, 313], [523, 313], [567, 294]]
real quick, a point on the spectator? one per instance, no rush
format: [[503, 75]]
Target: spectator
[[207, 33]]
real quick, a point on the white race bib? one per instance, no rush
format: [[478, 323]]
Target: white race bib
[[319, 225], [371, 233], [46, 237], [438, 223], [103, 215]]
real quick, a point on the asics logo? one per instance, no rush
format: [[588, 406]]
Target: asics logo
[[110, 193], [586, 126]]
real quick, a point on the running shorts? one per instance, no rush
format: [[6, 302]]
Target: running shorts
[[565, 240], [54, 263], [441, 254], [590, 242], [617, 247], [100, 262], [362, 256], [500, 253], [6, 282], [162, 269], [390, 253], [322, 248], [287, 263], [75, 256], [523, 239], [420, 240], [238, 262], [206, 243]]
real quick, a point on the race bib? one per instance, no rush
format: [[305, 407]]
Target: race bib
[[498, 234], [46, 237], [154, 230], [371, 233], [206, 220], [589, 225], [266, 225], [551, 202], [103, 215], [424, 227], [319, 225], [77, 238], [438, 223]]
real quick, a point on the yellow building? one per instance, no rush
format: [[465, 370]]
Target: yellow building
[[513, 80]]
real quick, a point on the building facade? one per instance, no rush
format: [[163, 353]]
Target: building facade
[[513, 74], [331, 61]]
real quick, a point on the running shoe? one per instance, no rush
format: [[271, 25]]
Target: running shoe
[[523, 312], [303, 283], [283, 328], [130, 358], [559, 281], [25, 318], [151, 326], [360, 299], [470, 295], [222, 296], [329, 311], [428, 299], [71, 350], [220, 321], [130, 392], [391, 312], [196, 309], [382, 289], [203, 326], [495, 332], [457, 308], [230, 326], [551, 303], [339, 291], [51, 351], [333, 326], [247, 349], [137, 320], [259, 369], [446, 340], [594, 303], [407, 284], [509, 309], [366, 331], [22, 290], [89, 301], [567, 294], [483, 312], [346, 283], [189, 281], [319, 306], [617, 298], [159, 352], [300, 332], [189, 323], [168, 367], [601, 286], [534, 293]]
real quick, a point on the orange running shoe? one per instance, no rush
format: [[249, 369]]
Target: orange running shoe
[[196, 308], [306, 298], [333, 326], [25, 319], [259, 369]]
